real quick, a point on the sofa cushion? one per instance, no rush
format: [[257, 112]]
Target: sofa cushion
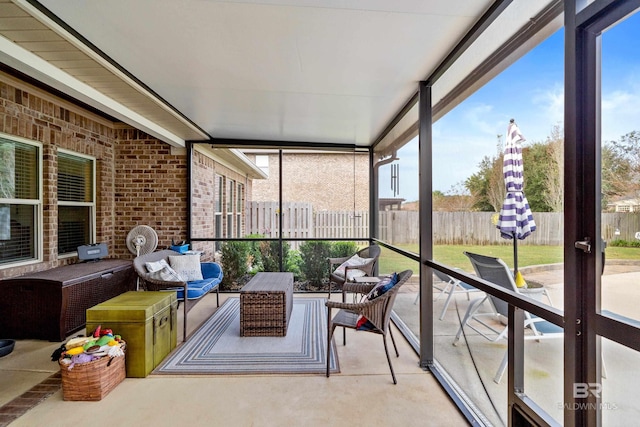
[[153, 266], [197, 289], [166, 274], [187, 266]]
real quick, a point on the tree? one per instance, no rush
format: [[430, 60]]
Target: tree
[[616, 174], [554, 180], [478, 185], [497, 190], [453, 201], [487, 186], [543, 183], [536, 170], [544, 174], [629, 148], [621, 167]]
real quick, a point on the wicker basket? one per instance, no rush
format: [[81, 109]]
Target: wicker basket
[[92, 380]]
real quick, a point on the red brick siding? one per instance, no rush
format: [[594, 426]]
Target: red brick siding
[[324, 180], [138, 178], [29, 113], [204, 192], [151, 189]]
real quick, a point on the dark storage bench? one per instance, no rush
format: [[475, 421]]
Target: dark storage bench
[[52, 304]]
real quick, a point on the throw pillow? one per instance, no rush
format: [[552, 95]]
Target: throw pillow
[[354, 261], [187, 266], [383, 286], [166, 274], [154, 266], [363, 324]]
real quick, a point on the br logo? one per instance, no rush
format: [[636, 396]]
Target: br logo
[[583, 390]]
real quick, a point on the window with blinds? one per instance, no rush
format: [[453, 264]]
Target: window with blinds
[[76, 201], [20, 200]]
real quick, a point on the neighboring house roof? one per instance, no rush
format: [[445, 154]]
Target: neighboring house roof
[[625, 205], [234, 159], [391, 203]]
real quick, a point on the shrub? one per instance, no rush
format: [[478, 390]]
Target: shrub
[[624, 243], [314, 255], [255, 258], [293, 264], [343, 249], [235, 257], [270, 255]]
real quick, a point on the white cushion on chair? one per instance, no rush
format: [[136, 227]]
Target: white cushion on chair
[[354, 261], [187, 266], [166, 274], [153, 266]]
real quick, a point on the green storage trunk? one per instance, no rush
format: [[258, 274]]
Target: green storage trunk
[[147, 321]]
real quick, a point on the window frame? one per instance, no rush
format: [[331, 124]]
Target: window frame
[[37, 204], [91, 205], [218, 204], [239, 207], [230, 203]]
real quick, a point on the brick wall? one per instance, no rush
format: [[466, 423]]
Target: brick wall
[[151, 189], [204, 192], [30, 113], [139, 180], [324, 180]]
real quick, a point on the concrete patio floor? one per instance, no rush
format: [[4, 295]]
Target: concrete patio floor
[[362, 394], [475, 360]]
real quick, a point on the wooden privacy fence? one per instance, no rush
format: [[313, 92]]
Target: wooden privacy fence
[[299, 221], [479, 228], [343, 224], [402, 227], [398, 227]]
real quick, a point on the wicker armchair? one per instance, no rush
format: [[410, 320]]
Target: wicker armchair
[[377, 311], [372, 252], [194, 290]]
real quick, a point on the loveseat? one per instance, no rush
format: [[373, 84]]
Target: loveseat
[[154, 276]]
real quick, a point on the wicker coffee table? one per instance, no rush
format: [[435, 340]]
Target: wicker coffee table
[[265, 305]]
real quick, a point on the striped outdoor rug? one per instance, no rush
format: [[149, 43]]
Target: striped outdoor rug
[[218, 348]]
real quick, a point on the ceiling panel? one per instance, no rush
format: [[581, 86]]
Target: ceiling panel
[[331, 71], [321, 71]]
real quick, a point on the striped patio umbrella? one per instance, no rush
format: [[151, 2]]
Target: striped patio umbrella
[[515, 221]]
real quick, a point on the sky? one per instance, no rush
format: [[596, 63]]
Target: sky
[[531, 92]]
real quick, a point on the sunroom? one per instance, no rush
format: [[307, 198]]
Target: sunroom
[[289, 122]]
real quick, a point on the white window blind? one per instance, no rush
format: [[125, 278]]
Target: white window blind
[[75, 201], [20, 200]]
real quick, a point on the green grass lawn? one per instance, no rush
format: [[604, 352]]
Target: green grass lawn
[[452, 255]]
